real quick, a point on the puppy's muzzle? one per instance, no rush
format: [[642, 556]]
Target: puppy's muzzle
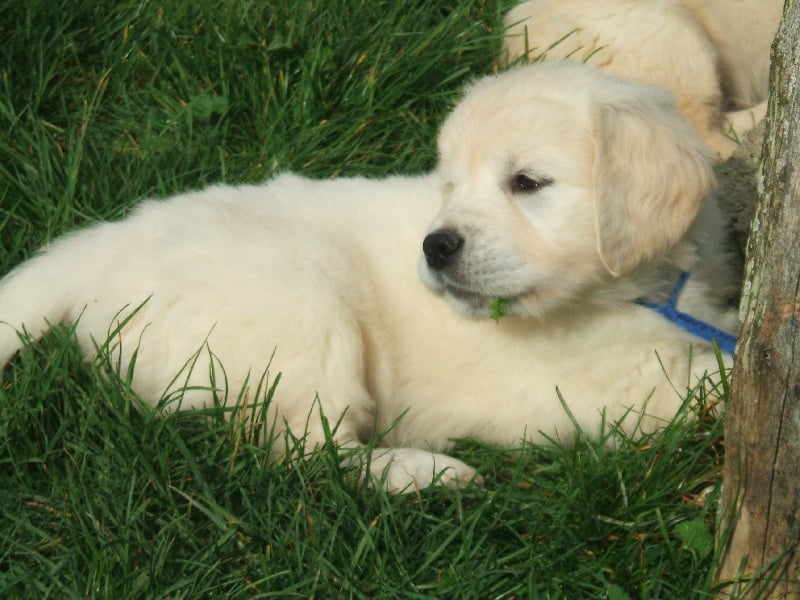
[[441, 247]]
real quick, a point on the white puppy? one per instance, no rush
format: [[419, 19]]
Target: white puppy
[[712, 54], [563, 196]]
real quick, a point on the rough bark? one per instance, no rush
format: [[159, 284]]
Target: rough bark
[[737, 192], [760, 525]]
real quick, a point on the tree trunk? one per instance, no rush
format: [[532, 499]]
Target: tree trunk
[[760, 524]]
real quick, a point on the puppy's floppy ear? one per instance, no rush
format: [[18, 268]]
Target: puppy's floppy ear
[[651, 175]]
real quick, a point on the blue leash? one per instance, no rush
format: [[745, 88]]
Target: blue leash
[[698, 328]]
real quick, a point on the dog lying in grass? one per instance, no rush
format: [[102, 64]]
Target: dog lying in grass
[[712, 54], [567, 204]]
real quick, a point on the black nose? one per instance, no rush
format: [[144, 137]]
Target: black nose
[[441, 247]]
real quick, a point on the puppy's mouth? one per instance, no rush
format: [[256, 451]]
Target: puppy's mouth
[[469, 301], [480, 305], [463, 294]]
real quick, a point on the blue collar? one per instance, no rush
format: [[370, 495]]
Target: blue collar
[[698, 328]]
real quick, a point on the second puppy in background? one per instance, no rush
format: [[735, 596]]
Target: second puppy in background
[[712, 56]]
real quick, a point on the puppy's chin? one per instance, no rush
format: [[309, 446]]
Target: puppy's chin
[[476, 306], [468, 304], [473, 305], [464, 302]]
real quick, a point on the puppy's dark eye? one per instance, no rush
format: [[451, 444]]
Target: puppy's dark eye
[[525, 184]]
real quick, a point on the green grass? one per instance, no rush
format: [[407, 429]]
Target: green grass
[[104, 102]]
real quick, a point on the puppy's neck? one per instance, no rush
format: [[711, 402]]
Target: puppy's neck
[[708, 261], [706, 253]]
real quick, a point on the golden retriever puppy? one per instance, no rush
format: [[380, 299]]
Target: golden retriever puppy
[[713, 55], [565, 198]]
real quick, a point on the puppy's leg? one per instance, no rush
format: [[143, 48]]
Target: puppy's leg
[[734, 126], [740, 122], [333, 348], [406, 470], [721, 145]]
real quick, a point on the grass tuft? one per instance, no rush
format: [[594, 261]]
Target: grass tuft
[[105, 102]]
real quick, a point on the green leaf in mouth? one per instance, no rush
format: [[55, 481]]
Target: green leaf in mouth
[[498, 309]]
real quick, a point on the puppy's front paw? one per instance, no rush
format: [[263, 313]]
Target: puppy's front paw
[[404, 470]]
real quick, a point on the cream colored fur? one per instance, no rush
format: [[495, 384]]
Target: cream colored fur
[[319, 280], [712, 54]]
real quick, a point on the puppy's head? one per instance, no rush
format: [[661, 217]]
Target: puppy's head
[[556, 179]]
